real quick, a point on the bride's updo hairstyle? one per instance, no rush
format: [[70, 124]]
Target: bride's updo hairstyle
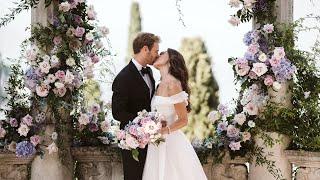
[[178, 69]]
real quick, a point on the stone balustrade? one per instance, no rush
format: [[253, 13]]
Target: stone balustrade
[[13, 168]]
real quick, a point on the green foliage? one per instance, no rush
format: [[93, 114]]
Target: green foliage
[[134, 28], [203, 87]]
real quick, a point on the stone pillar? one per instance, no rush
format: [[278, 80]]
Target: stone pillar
[[55, 166], [284, 13]]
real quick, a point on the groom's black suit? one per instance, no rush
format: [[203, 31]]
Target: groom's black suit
[[130, 95]]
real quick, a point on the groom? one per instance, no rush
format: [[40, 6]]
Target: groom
[[133, 89]]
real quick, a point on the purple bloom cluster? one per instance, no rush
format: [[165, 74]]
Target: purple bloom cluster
[[260, 5], [247, 39], [284, 71], [25, 149]]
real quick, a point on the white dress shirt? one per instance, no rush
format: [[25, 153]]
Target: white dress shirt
[[145, 77]]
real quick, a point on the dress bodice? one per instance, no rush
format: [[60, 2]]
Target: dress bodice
[[165, 105]]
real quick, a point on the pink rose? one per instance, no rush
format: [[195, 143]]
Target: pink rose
[[246, 136], [27, 120], [235, 146], [253, 49], [42, 90], [79, 31], [242, 70], [251, 109], [274, 61], [60, 75], [268, 81], [268, 28], [57, 40], [253, 75], [14, 122], [2, 132], [121, 134], [35, 140]]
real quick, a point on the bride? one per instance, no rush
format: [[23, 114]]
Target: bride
[[175, 159]]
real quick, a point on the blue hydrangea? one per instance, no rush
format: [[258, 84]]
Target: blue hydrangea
[[247, 39], [284, 71], [25, 149]]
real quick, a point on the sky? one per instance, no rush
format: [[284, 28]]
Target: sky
[[203, 18]]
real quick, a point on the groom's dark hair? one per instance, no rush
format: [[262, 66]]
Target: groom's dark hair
[[144, 39]]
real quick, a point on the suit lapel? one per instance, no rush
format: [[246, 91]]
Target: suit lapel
[[153, 83], [139, 78]]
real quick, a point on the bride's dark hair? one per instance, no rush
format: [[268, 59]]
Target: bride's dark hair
[[178, 69]]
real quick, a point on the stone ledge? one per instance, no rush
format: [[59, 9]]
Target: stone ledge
[[92, 153], [7, 157], [303, 158]]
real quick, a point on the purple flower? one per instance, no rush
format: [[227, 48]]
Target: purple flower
[[79, 31], [260, 5], [14, 122], [247, 40], [223, 109], [93, 127], [222, 126], [284, 71], [25, 149], [250, 57], [78, 19]]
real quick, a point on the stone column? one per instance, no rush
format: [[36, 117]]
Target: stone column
[[55, 166], [284, 13]]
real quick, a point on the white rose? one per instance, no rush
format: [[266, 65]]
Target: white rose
[[70, 62], [276, 86], [54, 61], [235, 21], [240, 118], [46, 58], [58, 85], [251, 124], [260, 69], [69, 77], [105, 126], [54, 136], [44, 67], [2, 132], [251, 109], [51, 78], [84, 119], [23, 130], [89, 36], [263, 57], [234, 3], [214, 116], [65, 7], [52, 148]]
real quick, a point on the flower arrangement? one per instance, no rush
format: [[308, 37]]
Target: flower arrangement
[[60, 58], [139, 132], [95, 126]]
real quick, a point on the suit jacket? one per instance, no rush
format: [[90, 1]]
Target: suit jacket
[[130, 94]]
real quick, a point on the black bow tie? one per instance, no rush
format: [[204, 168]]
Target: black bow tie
[[145, 70]]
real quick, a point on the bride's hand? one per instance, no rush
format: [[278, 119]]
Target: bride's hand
[[164, 130]]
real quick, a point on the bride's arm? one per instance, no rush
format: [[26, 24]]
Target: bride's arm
[[181, 110]]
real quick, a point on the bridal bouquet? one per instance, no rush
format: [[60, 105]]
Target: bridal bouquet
[[142, 130]]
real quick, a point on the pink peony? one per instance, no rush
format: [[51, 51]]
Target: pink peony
[[240, 118], [279, 53], [83, 119], [246, 136], [253, 49], [242, 70], [121, 134], [105, 126], [252, 75], [274, 61], [131, 142], [64, 6]]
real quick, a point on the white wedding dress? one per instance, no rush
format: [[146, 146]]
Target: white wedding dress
[[174, 159]]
